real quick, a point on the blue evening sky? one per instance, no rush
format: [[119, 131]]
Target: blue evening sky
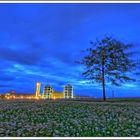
[[40, 42]]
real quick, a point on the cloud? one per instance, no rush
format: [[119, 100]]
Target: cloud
[[4, 86], [6, 77], [131, 86]]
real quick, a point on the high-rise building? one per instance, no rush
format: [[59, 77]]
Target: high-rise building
[[48, 90], [50, 93], [68, 91], [37, 93]]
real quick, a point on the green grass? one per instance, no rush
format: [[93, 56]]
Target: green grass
[[45, 118]]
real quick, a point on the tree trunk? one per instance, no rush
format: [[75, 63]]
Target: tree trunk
[[103, 85], [103, 77]]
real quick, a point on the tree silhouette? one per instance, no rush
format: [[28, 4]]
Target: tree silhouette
[[109, 60]]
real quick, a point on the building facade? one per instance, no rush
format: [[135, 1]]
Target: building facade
[[38, 85], [50, 93], [68, 91], [48, 90]]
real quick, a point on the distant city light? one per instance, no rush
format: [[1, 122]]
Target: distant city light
[[48, 93]]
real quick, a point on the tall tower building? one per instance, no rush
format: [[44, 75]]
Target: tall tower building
[[38, 84], [48, 90], [68, 91]]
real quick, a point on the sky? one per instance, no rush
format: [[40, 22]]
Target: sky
[[41, 42]]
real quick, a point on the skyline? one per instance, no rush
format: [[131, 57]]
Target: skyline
[[41, 42]]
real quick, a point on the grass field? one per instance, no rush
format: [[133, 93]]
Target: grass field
[[43, 118]]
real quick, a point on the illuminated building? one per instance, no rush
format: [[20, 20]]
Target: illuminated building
[[68, 91], [57, 95], [50, 93], [37, 93], [48, 90]]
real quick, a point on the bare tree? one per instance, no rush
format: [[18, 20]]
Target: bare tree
[[108, 60]]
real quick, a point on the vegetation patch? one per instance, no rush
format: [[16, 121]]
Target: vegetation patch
[[44, 118]]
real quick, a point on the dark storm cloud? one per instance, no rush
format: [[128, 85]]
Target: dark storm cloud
[[32, 28], [19, 57]]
